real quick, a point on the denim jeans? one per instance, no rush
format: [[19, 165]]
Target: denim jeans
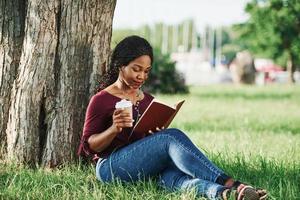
[[169, 155]]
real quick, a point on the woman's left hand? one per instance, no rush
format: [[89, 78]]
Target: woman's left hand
[[156, 130]]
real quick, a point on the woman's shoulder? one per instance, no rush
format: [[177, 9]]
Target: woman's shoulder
[[102, 97], [101, 102], [99, 96]]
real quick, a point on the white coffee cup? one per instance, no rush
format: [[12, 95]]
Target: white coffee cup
[[125, 105]]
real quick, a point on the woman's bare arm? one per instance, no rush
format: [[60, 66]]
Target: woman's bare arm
[[99, 141]]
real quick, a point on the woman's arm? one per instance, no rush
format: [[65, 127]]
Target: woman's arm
[[99, 141]]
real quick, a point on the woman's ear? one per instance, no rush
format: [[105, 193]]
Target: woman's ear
[[122, 70]]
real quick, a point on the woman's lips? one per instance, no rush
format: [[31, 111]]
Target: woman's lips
[[137, 84]]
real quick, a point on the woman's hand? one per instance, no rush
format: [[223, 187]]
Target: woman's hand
[[121, 119], [156, 130]]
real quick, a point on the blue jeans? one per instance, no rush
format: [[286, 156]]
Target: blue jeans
[[169, 155]]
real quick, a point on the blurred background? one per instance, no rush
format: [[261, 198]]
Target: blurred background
[[217, 41]]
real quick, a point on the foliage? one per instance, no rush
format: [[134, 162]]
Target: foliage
[[237, 127], [163, 77], [230, 43], [273, 29]]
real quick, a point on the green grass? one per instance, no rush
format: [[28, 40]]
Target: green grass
[[253, 133]]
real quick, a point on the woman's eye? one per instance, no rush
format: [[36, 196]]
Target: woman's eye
[[136, 70]]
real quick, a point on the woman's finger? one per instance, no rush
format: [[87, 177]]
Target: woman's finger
[[123, 115], [119, 111], [123, 124], [122, 120]]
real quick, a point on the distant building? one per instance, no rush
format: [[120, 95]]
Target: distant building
[[197, 71]]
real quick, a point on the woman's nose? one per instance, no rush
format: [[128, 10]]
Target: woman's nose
[[142, 76]]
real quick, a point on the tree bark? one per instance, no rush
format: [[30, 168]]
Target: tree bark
[[65, 51], [291, 68], [12, 22]]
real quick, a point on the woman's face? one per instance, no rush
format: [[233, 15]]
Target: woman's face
[[136, 72]]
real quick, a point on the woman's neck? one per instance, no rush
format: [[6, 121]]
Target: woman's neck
[[126, 91], [123, 87]]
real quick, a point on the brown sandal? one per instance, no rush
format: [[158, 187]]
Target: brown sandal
[[246, 193]]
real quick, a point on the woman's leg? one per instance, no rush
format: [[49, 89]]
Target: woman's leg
[[174, 179], [151, 155]]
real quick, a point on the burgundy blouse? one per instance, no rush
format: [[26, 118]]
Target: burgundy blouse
[[99, 117]]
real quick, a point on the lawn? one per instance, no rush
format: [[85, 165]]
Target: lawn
[[253, 133]]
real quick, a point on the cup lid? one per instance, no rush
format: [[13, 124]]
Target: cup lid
[[123, 104]]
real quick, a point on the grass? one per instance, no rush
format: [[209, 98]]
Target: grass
[[253, 133]]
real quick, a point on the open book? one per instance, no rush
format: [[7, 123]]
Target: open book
[[157, 114]]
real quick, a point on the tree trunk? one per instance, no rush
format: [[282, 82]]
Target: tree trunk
[[291, 68], [65, 51], [12, 22]]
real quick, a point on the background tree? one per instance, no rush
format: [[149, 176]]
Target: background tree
[[273, 31], [164, 78], [231, 43], [52, 54]]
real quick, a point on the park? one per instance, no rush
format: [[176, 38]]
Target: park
[[52, 56]]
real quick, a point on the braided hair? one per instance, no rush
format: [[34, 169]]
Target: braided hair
[[126, 51]]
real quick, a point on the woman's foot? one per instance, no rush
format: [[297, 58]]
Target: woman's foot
[[244, 192]]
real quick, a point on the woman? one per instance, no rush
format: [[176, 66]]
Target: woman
[[167, 154]]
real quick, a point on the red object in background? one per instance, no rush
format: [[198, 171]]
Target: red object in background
[[269, 71], [270, 68]]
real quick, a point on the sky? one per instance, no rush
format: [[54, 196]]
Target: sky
[[133, 13]]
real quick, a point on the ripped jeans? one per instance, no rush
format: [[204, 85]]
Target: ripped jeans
[[169, 155]]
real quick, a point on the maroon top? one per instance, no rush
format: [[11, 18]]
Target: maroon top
[[98, 118]]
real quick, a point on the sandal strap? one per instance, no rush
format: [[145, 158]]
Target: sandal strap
[[241, 192], [262, 193], [225, 194], [263, 197]]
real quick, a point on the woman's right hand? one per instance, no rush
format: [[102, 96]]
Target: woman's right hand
[[121, 119]]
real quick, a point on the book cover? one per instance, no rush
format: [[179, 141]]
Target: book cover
[[158, 114]]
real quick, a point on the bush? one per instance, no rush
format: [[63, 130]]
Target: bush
[[163, 77]]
